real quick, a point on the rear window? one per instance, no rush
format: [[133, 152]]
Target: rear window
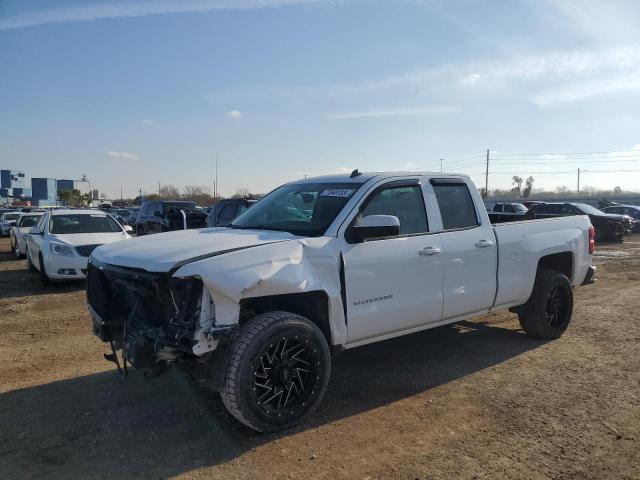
[[83, 223], [456, 205]]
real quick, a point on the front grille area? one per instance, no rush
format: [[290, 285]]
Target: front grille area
[[85, 250], [152, 305]]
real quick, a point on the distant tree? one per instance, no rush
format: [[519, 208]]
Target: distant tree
[[169, 192], [199, 194], [617, 191], [563, 190], [526, 193], [517, 181], [151, 197], [74, 198], [242, 193]]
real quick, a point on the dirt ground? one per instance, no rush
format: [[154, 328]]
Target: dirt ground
[[475, 400]]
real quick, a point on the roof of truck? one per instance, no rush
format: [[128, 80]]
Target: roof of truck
[[365, 176]]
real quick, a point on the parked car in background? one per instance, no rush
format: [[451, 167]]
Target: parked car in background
[[326, 264], [608, 227], [125, 216], [530, 203], [8, 220], [633, 211], [59, 246], [20, 232], [165, 216], [226, 211], [506, 211]]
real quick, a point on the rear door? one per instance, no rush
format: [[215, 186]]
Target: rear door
[[393, 283], [469, 251]]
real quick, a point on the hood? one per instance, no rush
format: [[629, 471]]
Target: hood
[[76, 239], [161, 252]]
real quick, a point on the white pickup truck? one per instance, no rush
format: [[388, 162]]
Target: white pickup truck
[[257, 309]]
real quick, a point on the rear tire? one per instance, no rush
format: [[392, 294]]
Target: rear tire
[[278, 371], [548, 312], [46, 281]]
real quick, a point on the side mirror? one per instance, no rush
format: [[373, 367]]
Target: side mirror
[[128, 228], [375, 226]]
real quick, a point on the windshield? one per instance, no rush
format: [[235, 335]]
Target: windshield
[[10, 216], [29, 220], [83, 223], [588, 209], [519, 207], [302, 209]]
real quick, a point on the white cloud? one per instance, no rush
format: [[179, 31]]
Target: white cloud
[[148, 123], [575, 91], [396, 112], [344, 170], [123, 155], [471, 78], [128, 9], [235, 114]]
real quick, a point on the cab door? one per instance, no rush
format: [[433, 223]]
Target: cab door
[[470, 254], [393, 284]]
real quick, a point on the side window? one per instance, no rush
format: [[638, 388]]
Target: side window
[[157, 209], [228, 213], [509, 209], [498, 207], [456, 205], [404, 202]]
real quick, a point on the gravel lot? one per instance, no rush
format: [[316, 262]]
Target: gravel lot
[[474, 400]]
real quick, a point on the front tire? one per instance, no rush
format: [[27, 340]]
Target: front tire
[[278, 371], [46, 281], [548, 312], [32, 268]]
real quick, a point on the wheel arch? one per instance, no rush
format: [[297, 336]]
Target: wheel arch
[[314, 305], [560, 262]]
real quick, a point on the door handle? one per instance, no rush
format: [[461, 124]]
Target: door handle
[[484, 243], [428, 251]]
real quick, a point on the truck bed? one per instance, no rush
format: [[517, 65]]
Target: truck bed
[[522, 243]]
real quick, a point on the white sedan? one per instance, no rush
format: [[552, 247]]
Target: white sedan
[[8, 220], [20, 232], [60, 244]]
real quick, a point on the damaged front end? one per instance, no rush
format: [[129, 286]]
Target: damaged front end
[[153, 318]]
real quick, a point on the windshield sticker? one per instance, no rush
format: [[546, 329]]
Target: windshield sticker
[[337, 192]]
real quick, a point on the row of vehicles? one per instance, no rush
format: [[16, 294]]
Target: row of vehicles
[[611, 223]]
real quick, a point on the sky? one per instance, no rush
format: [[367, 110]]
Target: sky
[[139, 93]]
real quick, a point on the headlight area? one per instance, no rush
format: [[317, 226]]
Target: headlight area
[[61, 249], [151, 317]]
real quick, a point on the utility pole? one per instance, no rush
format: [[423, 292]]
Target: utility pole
[[215, 192], [578, 190], [486, 177], [120, 193], [140, 196], [441, 160], [158, 188]]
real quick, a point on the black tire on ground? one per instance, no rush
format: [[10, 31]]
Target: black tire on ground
[[278, 371], [547, 313], [44, 278], [32, 268]]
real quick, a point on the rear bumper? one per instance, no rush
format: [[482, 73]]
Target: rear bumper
[[590, 277]]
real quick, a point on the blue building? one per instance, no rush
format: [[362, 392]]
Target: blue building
[[14, 185], [44, 191]]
